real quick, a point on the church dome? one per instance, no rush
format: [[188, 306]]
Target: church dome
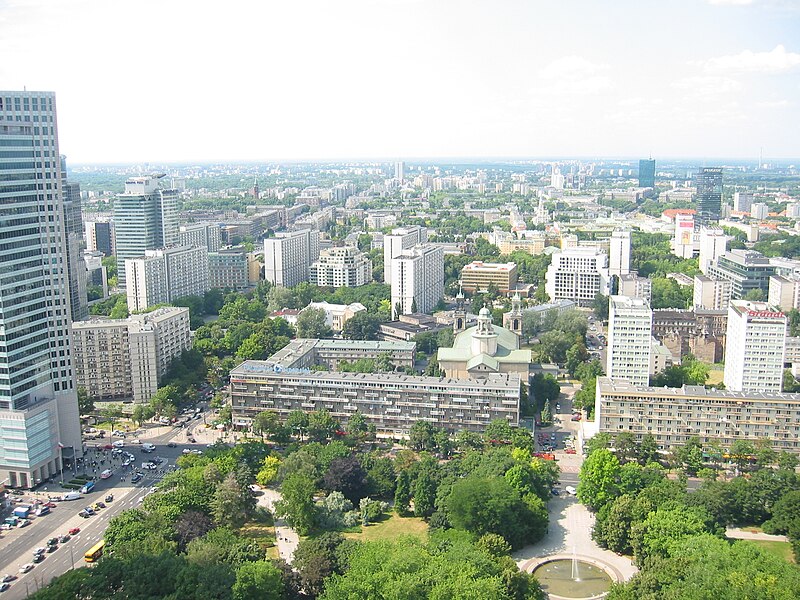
[[484, 312]]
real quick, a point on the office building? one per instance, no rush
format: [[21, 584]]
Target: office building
[[713, 243], [636, 287], [145, 218], [39, 424], [400, 171], [96, 274], [343, 266], [288, 256], [478, 276], [683, 241], [577, 274], [675, 415], [208, 235], [745, 269], [75, 245], [759, 211], [400, 240], [123, 360], [630, 325], [784, 292], [742, 202], [417, 280], [647, 173], [709, 196], [336, 315], [162, 276], [619, 254], [755, 346], [228, 269], [714, 294], [99, 236]]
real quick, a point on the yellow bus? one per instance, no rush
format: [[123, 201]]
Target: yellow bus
[[95, 552]]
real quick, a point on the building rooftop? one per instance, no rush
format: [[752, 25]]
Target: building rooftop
[[608, 386]]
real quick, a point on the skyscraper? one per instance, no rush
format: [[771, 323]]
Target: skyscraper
[[754, 348], [400, 170], [145, 218], [75, 245], [630, 324], [417, 280], [288, 257], [647, 173], [709, 196], [39, 423], [401, 239], [619, 255]]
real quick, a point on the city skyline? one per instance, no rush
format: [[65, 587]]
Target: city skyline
[[405, 78]]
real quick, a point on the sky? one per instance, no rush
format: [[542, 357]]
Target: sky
[[195, 80]]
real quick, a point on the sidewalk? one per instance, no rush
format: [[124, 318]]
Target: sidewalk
[[286, 538], [738, 533]]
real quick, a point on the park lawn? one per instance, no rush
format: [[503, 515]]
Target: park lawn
[[715, 376], [780, 549], [393, 527]]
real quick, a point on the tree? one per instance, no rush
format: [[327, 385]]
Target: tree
[[318, 558], [663, 528], [191, 525], [553, 346], [600, 306], [547, 415], [741, 453], [321, 426], [498, 430], [232, 503], [311, 323], [421, 436], [648, 450], [613, 524], [402, 494], [598, 480], [265, 422], [297, 504], [297, 422], [785, 514], [576, 355], [142, 413], [268, 471], [625, 447], [85, 403], [361, 326], [258, 581], [544, 388], [346, 475], [424, 487]]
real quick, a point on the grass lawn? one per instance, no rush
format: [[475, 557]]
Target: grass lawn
[[715, 376], [780, 549], [393, 527]]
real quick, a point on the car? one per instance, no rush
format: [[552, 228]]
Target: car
[[51, 549], [96, 507], [84, 515], [100, 504], [136, 441], [37, 558], [576, 417], [74, 531], [118, 444], [39, 550], [172, 445], [89, 510], [106, 474], [7, 578], [64, 539], [558, 408], [158, 460], [136, 477], [555, 492], [191, 440], [126, 463], [186, 451], [4, 586], [571, 490], [107, 447], [110, 498], [52, 541], [195, 451], [118, 433], [26, 568], [23, 523]]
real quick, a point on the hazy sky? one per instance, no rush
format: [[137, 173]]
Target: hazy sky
[[172, 80]]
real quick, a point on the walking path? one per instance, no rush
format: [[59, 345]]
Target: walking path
[[736, 533], [286, 538]]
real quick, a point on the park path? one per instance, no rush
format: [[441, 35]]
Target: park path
[[737, 533], [286, 538]]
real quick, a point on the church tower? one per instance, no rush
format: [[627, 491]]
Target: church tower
[[460, 314], [484, 338], [512, 320]]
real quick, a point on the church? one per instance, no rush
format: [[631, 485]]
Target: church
[[486, 348]]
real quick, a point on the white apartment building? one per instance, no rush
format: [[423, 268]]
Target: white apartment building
[[636, 287], [400, 240], [630, 325], [711, 293], [288, 256], [683, 242], [336, 315], [577, 274], [417, 280], [343, 266], [759, 211], [674, 415], [208, 235], [124, 359], [165, 275], [784, 292], [713, 243], [742, 202], [619, 255], [754, 348]]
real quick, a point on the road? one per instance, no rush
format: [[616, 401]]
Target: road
[[18, 544]]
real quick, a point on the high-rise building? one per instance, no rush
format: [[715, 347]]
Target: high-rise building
[[401, 239], [754, 347], [636, 287], [165, 275], [417, 280], [99, 236], [713, 243], [39, 425], [746, 270], [784, 292], [228, 268], [343, 266], [619, 255], [75, 244], [683, 240], [201, 234], [709, 195], [288, 256], [742, 201], [647, 173], [577, 274], [630, 325], [145, 218], [759, 211], [400, 171], [123, 360], [713, 294]]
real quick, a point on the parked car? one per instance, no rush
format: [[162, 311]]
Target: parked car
[[118, 444], [37, 558], [571, 490], [51, 549], [7, 578], [38, 551], [52, 541]]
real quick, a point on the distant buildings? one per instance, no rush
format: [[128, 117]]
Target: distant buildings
[[619, 254], [709, 195], [577, 274], [336, 315], [145, 218], [417, 280], [75, 245], [756, 342], [208, 235], [288, 256], [478, 276], [647, 173], [711, 293], [683, 241], [759, 211], [742, 202], [123, 360], [400, 171], [99, 236], [784, 292], [746, 270], [630, 322], [636, 287], [162, 276], [713, 243], [343, 266]]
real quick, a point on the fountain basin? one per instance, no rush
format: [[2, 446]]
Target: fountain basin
[[565, 578]]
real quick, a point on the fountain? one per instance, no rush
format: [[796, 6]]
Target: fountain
[[572, 578], [575, 575]]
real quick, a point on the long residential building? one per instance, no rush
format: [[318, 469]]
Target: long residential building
[[343, 266], [288, 256], [164, 275], [208, 235], [229, 268], [674, 415], [123, 360]]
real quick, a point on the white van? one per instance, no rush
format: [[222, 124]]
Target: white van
[[148, 447], [72, 496]]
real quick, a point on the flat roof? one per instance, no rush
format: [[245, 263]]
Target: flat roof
[[695, 391]]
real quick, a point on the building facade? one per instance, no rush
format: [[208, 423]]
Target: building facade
[[755, 347], [288, 256], [619, 253], [417, 280], [477, 276], [746, 270], [336, 315], [123, 360], [228, 269], [39, 424], [208, 235], [630, 325], [343, 266], [709, 195], [711, 293], [99, 236], [713, 243], [577, 274], [400, 240], [784, 292], [647, 173], [636, 287], [75, 245], [161, 276]]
